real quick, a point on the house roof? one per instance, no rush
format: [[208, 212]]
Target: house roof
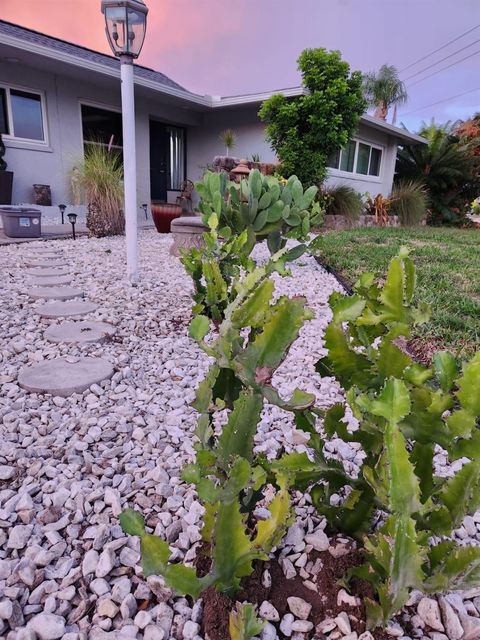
[[29, 36], [62, 50]]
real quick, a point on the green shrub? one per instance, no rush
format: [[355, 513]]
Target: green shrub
[[448, 170], [340, 199], [409, 201], [306, 130], [100, 176]]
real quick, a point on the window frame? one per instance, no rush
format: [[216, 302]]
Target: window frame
[[11, 137], [97, 105], [353, 175]]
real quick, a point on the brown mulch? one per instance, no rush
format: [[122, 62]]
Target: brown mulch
[[217, 606]]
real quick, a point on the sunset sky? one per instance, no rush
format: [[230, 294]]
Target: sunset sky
[[225, 47]]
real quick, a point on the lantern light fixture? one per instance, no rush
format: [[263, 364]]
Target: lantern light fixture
[[72, 217], [62, 208], [125, 26]]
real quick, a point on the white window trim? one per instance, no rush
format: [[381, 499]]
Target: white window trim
[[99, 105], [353, 175], [43, 104]]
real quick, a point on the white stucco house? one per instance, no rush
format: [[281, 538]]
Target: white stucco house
[[57, 97]]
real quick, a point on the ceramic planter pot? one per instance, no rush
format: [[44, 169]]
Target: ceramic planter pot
[[163, 214]]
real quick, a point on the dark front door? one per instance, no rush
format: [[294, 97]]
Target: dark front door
[[159, 149]]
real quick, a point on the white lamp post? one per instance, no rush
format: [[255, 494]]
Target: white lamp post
[[125, 25]]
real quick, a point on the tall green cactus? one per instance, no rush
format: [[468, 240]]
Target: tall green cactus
[[228, 477], [404, 410]]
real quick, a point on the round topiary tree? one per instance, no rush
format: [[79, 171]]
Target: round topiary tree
[[306, 130]]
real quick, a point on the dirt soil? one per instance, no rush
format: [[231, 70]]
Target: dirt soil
[[217, 606]]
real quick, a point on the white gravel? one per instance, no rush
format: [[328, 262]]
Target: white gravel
[[68, 466]]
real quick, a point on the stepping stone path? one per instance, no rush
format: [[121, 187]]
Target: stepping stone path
[[55, 293], [43, 250], [45, 272], [47, 256], [52, 281], [65, 309], [62, 378], [41, 262], [82, 331]]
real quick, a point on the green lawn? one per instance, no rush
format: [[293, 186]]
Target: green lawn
[[448, 276]]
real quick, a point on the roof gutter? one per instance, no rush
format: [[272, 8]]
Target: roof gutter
[[98, 67], [213, 102]]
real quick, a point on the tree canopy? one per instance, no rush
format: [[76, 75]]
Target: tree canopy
[[305, 131]]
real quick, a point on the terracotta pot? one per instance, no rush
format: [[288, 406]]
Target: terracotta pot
[[163, 214]]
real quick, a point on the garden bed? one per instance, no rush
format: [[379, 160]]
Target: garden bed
[[69, 465]]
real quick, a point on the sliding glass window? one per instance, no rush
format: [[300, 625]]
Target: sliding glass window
[[22, 114]]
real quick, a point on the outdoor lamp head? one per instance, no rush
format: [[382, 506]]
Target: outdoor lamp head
[[62, 207], [72, 217], [125, 26]]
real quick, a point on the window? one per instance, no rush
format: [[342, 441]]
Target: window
[[3, 112], [102, 126], [22, 114], [177, 158], [357, 157]]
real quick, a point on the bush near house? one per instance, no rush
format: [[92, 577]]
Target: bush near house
[[306, 130], [448, 169], [100, 177]]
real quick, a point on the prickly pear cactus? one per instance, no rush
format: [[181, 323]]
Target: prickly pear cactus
[[271, 209]]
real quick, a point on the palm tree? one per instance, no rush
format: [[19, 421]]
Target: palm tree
[[384, 90], [445, 167]]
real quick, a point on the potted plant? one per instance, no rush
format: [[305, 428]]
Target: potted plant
[[6, 177]]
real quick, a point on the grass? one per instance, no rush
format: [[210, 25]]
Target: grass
[[448, 276]]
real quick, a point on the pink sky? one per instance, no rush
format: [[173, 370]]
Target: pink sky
[[226, 47]]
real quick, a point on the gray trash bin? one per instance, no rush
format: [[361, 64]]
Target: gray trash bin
[[21, 222]]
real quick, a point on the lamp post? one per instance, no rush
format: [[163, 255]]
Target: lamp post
[[72, 217], [125, 26], [62, 208], [145, 210]]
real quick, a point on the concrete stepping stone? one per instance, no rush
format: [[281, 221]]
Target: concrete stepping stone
[[66, 309], [46, 263], [52, 281], [55, 293], [45, 272], [47, 256], [64, 376], [81, 331], [57, 255], [47, 250]]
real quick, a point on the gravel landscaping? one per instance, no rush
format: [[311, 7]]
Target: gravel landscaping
[[68, 466]]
